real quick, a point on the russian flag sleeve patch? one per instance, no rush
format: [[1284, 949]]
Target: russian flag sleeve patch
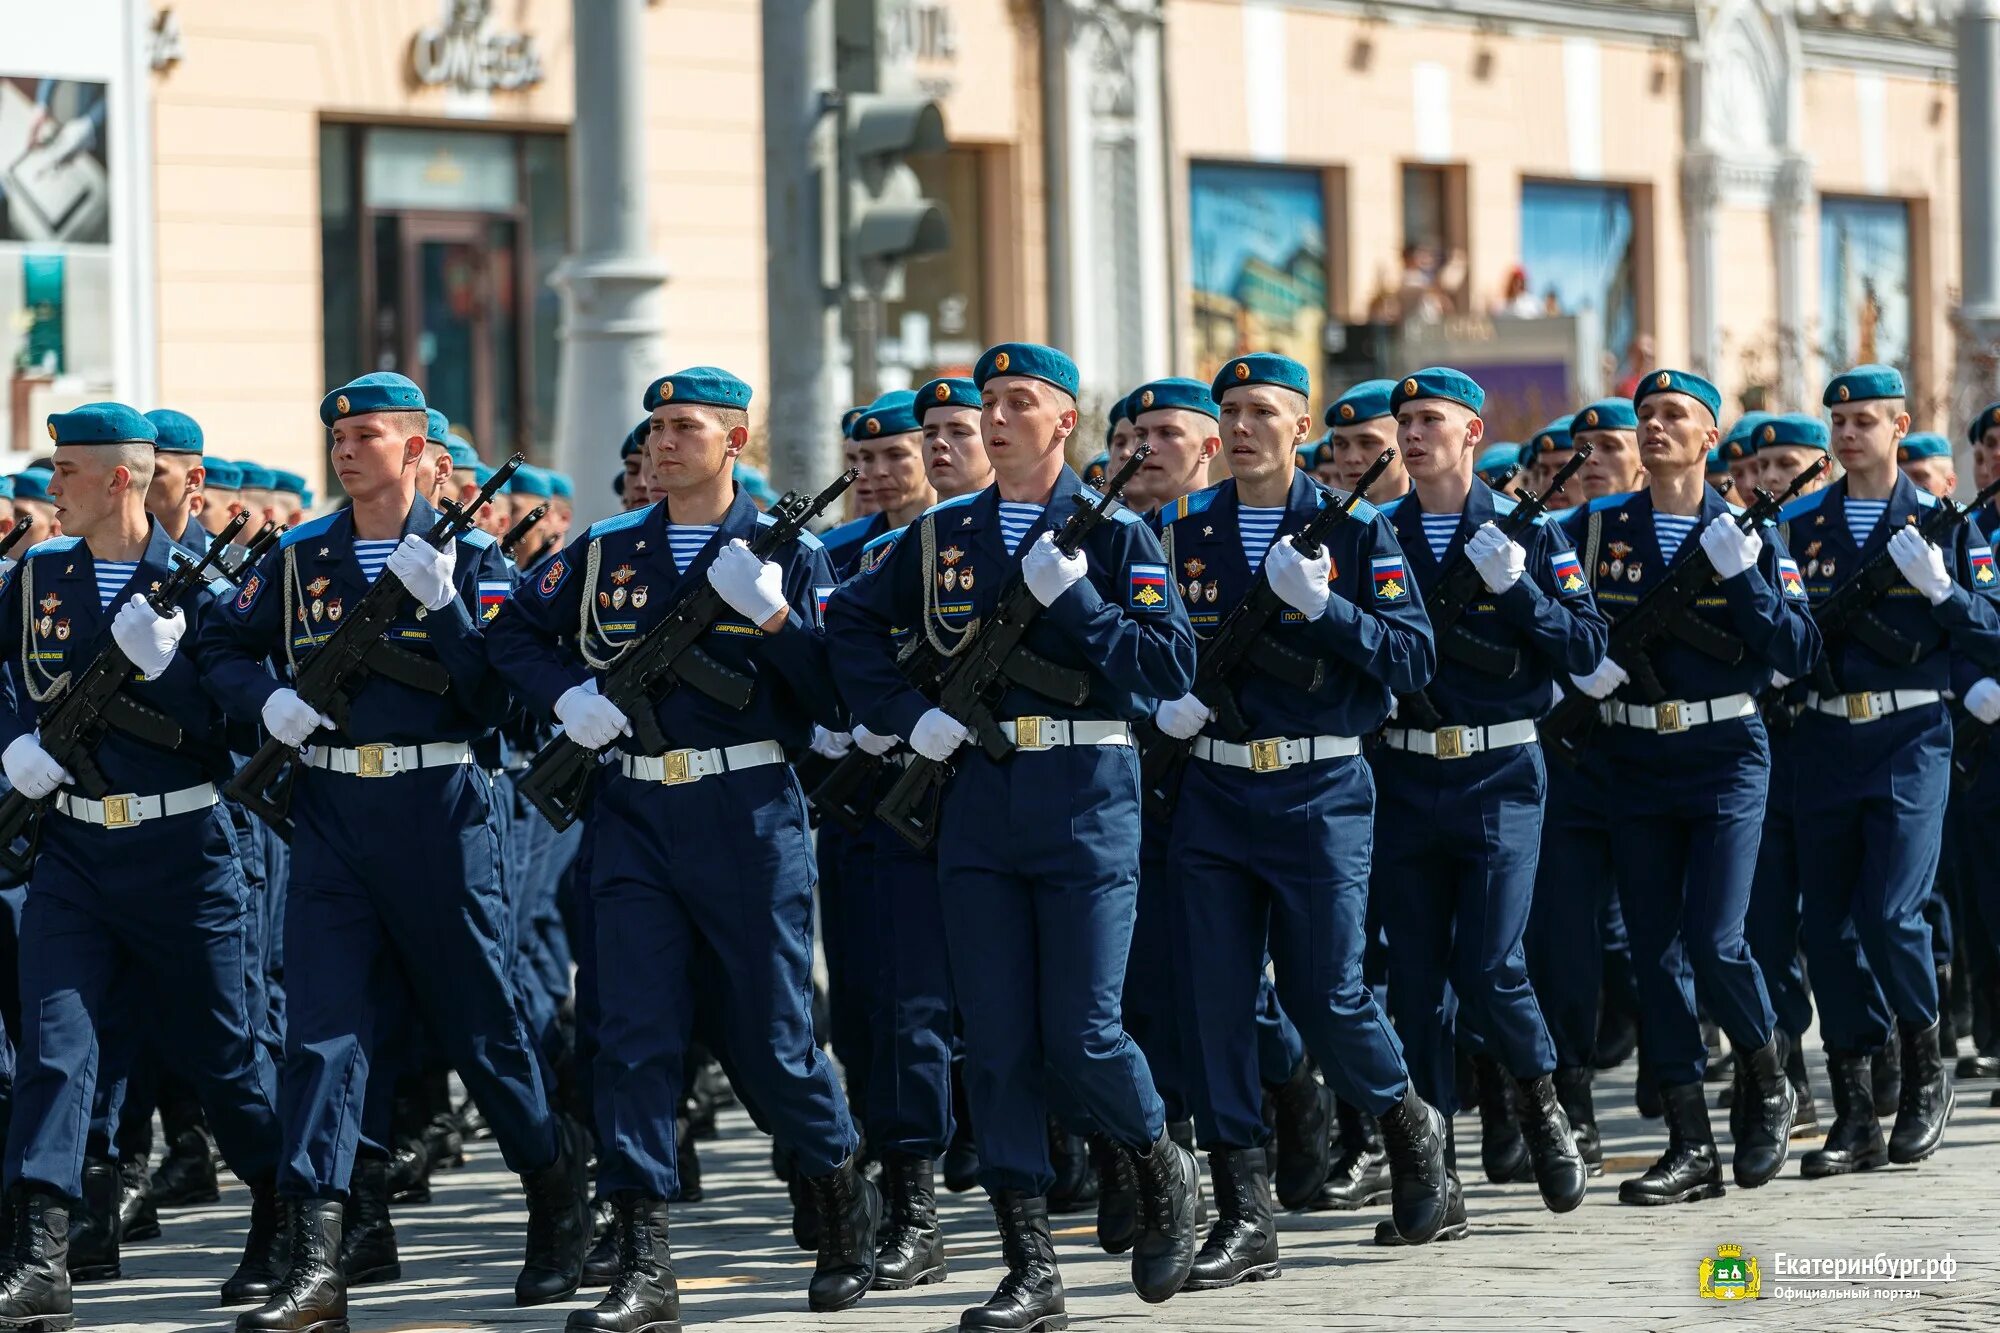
[[1392, 582], [1569, 574], [1149, 587]]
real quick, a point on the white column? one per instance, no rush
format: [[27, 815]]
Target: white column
[[1700, 193], [1790, 203]]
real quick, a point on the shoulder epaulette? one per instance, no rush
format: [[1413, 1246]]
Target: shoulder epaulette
[[50, 546], [1386, 511], [884, 539], [478, 538], [1604, 502], [315, 528], [806, 539], [1193, 503], [1364, 511], [1805, 504], [955, 501], [604, 527], [846, 532], [1123, 513], [1925, 500]]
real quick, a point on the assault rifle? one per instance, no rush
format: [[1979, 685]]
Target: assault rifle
[[520, 530], [557, 782]]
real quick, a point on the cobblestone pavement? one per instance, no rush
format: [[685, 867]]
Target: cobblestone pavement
[[1601, 1267]]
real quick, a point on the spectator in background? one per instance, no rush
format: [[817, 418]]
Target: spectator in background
[[1425, 292], [1519, 302], [1639, 361]]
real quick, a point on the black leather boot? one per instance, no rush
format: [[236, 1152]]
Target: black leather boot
[[1690, 1169], [1414, 1134], [1762, 1118], [187, 1174], [911, 1252], [1926, 1102], [805, 1213], [1075, 1187], [1359, 1176], [1805, 1113], [138, 1217], [34, 1284], [1503, 1152], [850, 1216], [1573, 1091], [1030, 1298], [1454, 1225], [1854, 1141], [1305, 1146], [409, 1171], [94, 1226], [1888, 1077], [1559, 1170], [368, 1236], [1243, 1244], [644, 1297], [558, 1221], [266, 1250], [313, 1296], [1117, 1195], [444, 1141], [1169, 1189], [600, 1265]]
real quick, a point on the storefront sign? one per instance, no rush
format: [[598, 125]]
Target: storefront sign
[[462, 53]]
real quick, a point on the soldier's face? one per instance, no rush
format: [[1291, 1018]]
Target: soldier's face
[[1746, 474], [1986, 459], [954, 453], [1779, 463], [690, 446], [1936, 475], [894, 465], [85, 487], [1865, 434], [1182, 444], [218, 507], [372, 454], [167, 497], [1612, 468], [1023, 420], [40, 518], [1438, 438], [1124, 441], [1262, 428], [1676, 431], [1355, 449]]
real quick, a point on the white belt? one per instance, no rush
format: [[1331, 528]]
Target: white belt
[[1276, 753], [1460, 742], [385, 761], [1677, 715], [125, 811], [1046, 733], [1871, 704], [678, 766]]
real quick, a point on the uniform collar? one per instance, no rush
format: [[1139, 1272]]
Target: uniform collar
[[739, 520], [1903, 502]]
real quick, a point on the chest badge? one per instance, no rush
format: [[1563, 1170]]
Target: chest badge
[[1192, 589], [50, 604], [617, 599], [318, 586], [62, 629], [639, 597], [333, 609], [623, 575], [1634, 572], [951, 555], [949, 578], [964, 579]]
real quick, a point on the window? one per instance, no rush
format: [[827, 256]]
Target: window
[[1432, 282], [941, 323], [1865, 281], [1258, 260], [1580, 253]]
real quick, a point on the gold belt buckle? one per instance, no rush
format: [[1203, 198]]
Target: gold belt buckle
[[1264, 756], [118, 812], [1028, 733], [1454, 742], [674, 767], [374, 761], [1668, 719], [1861, 707]]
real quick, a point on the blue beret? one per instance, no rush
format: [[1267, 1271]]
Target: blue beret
[[178, 433], [1364, 402], [257, 477], [1173, 394], [1741, 440], [636, 439], [1989, 417], [1495, 459], [957, 393], [1921, 444], [754, 481], [1030, 359], [705, 386], [1716, 462], [1262, 368], [530, 480], [33, 484], [1605, 414], [1680, 381], [1120, 411], [1798, 430], [437, 427], [847, 420], [894, 413], [1553, 438], [377, 391], [221, 474], [289, 482], [1438, 382], [1862, 383], [6, 488], [463, 455], [102, 423], [560, 486]]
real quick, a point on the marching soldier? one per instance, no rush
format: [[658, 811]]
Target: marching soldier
[[1689, 753], [1499, 467], [1739, 453], [703, 850], [1037, 854], [1874, 758], [1548, 451], [33, 507], [1461, 774], [1976, 800], [219, 504], [1925, 459], [1359, 427], [429, 897], [175, 497]]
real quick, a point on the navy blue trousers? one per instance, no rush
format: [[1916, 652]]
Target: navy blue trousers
[[1772, 923], [1573, 891], [908, 1002]]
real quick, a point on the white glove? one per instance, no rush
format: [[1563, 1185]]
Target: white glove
[[146, 636], [426, 571], [1183, 718], [1730, 549], [1983, 700], [591, 719], [33, 770], [1779, 680], [937, 734], [1922, 564], [754, 589], [1498, 558], [1603, 682], [1300, 581], [291, 719], [831, 744], [872, 743], [1048, 572]]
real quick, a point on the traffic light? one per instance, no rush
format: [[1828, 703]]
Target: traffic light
[[886, 219]]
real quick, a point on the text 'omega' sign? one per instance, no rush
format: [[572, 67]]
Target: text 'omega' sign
[[462, 53]]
